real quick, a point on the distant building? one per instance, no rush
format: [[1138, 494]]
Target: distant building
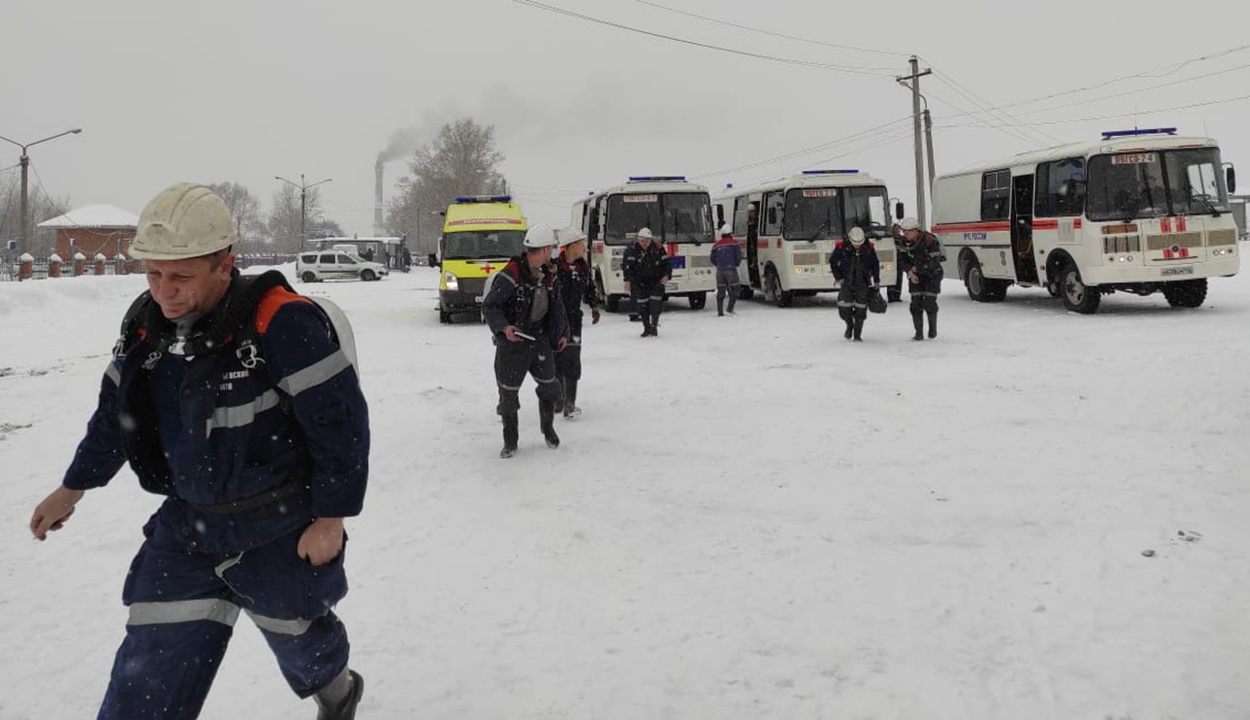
[[94, 229]]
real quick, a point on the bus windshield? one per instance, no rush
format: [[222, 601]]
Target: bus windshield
[[812, 214], [821, 213], [672, 217], [482, 244], [1127, 186], [867, 209]]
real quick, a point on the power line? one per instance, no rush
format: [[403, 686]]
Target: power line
[[771, 34], [1112, 117], [760, 56], [797, 153], [1139, 90], [1151, 74], [985, 104]]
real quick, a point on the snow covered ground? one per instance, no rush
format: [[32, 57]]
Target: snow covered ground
[[753, 519]]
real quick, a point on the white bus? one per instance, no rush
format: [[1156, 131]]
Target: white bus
[[797, 224], [679, 215], [1139, 211]]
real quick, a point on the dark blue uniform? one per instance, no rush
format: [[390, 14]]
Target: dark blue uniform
[[573, 281], [528, 301], [859, 271], [925, 258], [645, 269], [251, 442]]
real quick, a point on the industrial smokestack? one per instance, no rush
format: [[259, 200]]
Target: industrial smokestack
[[379, 228]]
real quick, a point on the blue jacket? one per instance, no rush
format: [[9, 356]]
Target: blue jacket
[[726, 254], [244, 421], [842, 263], [510, 301]]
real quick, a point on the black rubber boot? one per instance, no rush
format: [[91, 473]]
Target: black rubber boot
[[733, 300], [559, 402], [720, 306], [655, 305], [932, 313], [511, 433], [346, 708], [917, 320], [546, 421], [859, 329], [850, 328], [570, 399], [646, 322]]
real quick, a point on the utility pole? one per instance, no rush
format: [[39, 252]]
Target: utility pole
[[914, 77], [928, 143], [24, 230]]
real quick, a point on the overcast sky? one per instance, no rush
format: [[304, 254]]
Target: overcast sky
[[243, 91]]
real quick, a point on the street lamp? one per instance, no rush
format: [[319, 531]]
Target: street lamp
[[24, 228], [303, 203]]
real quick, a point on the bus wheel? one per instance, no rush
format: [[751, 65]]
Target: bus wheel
[[773, 291], [1077, 297], [613, 303], [745, 292], [698, 301], [1187, 293], [980, 288]]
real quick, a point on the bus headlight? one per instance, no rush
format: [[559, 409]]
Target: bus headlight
[[452, 282]]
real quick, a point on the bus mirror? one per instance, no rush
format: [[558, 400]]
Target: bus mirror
[[899, 211], [1231, 172], [433, 260], [772, 216]]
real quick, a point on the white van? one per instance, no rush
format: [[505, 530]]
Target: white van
[[336, 265]]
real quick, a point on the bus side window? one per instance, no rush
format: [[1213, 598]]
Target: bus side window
[[775, 214], [740, 216], [996, 195], [1060, 188]]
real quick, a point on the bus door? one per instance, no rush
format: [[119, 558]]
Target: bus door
[[747, 222], [1022, 228]]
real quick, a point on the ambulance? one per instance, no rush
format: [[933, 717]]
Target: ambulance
[[480, 234]]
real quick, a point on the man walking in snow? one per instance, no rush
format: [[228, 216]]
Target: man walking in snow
[[726, 256], [231, 396], [575, 287], [529, 327], [646, 268], [856, 267], [922, 263]]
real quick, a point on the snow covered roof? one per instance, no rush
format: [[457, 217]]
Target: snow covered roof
[[94, 216]]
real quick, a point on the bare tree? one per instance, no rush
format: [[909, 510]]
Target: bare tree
[[245, 209], [41, 208], [285, 218], [462, 160]]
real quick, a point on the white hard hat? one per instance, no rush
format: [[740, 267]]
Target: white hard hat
[[540, 236], [910, 223], [645, 233], [184, 221], [857, 236], [726, 230], [570, 235]]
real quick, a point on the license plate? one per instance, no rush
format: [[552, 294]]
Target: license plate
[[671, 287], [1186, 270]]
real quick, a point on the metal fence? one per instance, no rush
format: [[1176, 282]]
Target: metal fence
[[10, 268]]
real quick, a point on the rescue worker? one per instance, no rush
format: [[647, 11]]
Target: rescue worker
[[529, 325], [576, 287], [922, 263], [646, 268], [726, 256], [231, 396], [855, 265]]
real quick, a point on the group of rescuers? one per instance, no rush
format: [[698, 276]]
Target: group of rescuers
[[534, 305], [238, 400]]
